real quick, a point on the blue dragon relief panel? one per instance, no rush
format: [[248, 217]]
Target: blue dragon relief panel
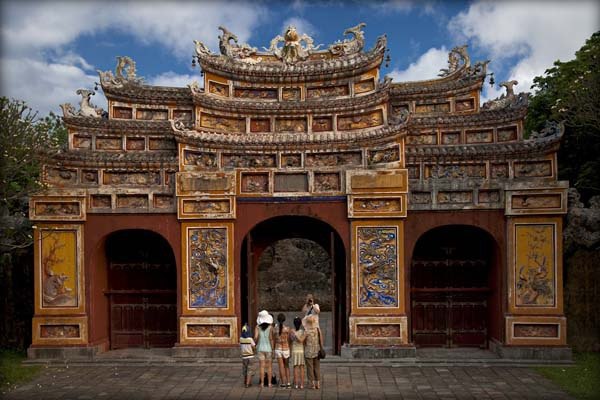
[[377, 267], [208, 267]]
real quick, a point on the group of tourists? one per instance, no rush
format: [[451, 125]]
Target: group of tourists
[[303, 344]]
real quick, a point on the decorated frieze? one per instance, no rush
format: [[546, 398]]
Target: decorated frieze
[[82, 142], [380, 330], [291, 160], [451, 137], [479, 136], [109, 143], [536, 271], [534, 169], [507, 133], [320, 92], [163, 144], [248, 160], [255, 93], [420, 197], [536, 331], [374, 206], [59, 277], [204, 159], [322, 124], [364, 86], [488, 196], [297, 125], [135, 143], [182, 115], [374, 181], [327, 182], [454, 196], [382, 156], [217, 88], [208, 269], [132, 201], [131, 178], [254, 182], [57, 209], [57, 331], [544, 201], [152, 114], [122, 112], [194, 184], [208, 331], [426, 108], [463, 105], [455, 171], [414, 171], [290, 182], [208, 207], [260, 125], [100, 201], [222, 123], [498, 171], [60, 176], [360, 121], [291, 94], [424, 136], [333, 159], [163, 201]]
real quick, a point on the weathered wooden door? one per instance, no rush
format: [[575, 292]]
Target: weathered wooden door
[[449, 303]]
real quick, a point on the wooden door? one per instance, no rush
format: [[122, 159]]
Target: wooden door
[[449, 303]]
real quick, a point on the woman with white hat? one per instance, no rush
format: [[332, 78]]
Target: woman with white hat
[[263, 336]]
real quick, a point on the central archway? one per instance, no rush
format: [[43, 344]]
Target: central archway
[[286, 257]]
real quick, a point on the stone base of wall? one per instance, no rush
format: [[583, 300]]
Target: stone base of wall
[[367, 352], [64, 353], [531, 353], [205, 352]]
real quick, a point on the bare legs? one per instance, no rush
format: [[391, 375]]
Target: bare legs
[[284, 370], [299, 376]]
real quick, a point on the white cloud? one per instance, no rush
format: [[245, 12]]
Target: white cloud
[[37, 66], [426, 67], [173, 79], [535, 33]]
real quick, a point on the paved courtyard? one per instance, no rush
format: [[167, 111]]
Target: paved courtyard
[[223, 381]]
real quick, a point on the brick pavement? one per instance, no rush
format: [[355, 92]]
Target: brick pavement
[[223, 381]]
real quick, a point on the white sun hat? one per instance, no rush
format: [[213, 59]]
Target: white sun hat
[[263, 317]]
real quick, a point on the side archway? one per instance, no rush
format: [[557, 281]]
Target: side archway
[[452, 287]]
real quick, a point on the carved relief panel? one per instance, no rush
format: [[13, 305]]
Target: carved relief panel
[[222, 123], [365, 86], [57, 209], [313, 93], [255, 93], [360, 121], [382, 331], [382, 156], [377, 206], [291, 94], [208, 330], [377, 272], [59, 285], [333, 159], [207, 287], [219, 89], [322, 124], [536, 330], [207, 207], [290, 125], [327, 182], [59, 330], [548, 201], [536, 271]]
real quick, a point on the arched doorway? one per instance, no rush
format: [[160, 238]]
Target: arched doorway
[[285, 258], [451, 290], [142, 290]]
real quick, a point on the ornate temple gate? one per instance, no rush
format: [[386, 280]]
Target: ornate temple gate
[[286, 128]]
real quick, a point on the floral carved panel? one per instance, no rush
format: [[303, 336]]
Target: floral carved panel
[[360, 121], [535, 265]]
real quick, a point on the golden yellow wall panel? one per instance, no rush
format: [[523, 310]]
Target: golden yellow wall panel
[[535, 273], [59, 281], [536, 331], [208, 330], [383, 331], [60, 331]]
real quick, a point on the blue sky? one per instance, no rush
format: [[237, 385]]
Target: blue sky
[[51, 48]]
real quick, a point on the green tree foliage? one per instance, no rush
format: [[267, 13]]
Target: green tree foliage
[[25, 142], [570, 92]]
